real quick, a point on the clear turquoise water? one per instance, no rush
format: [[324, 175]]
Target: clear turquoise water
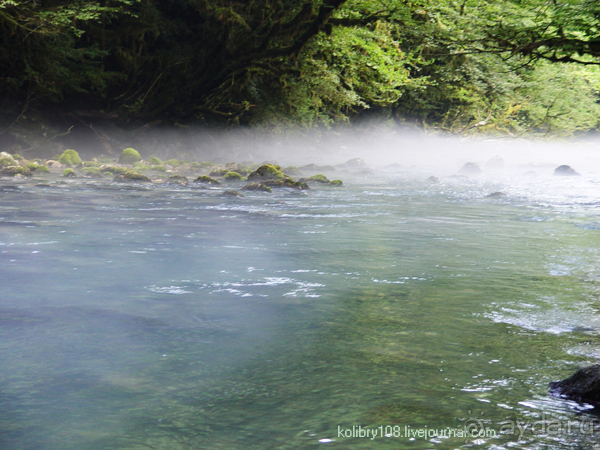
[[155, 317]]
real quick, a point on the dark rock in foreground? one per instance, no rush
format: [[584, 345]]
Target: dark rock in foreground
[[470, 169], [583, 386], [565, 170]]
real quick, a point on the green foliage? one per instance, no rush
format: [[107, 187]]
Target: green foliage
[[69, 173], [129, 156], [70, 158]]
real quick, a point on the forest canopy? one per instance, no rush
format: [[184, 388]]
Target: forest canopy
[[508, 67]]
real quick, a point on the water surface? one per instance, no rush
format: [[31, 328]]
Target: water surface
[[162, 317]]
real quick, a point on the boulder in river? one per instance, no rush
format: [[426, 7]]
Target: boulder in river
[[131, 176], [470, 169], [583, 386], [565, 170], [496, 195], [433, 179]]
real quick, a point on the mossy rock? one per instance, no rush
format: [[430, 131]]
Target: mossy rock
[[233, 176], [206, 180], [335, 183], [69, 173], [16, 170], [129, 156], [158, 168], [91, 164], [131, 176], [218, 172], [286, 183], [175, 162], [18, 157], [70, 158], [232, 194], [103, 159], [257, 187], [38, 168], [291, 171], [312, 168], [90, 171], [268, 172], [195, 166], [207, 164], [113, 169], [6, 159], [141, 166], [154, 161], [178, 179], [319, 178]]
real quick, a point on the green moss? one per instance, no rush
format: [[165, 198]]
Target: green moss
[[335, 183], [16, 170], [206, 180], [6, 159], [129, 156], [113, 169], [69, 173], [141, 166], [291, 171], [70, 158], [233, 176], [91, 164], [103, 159], [18, 157], [180, 179], [218, 172], [286, 183], [257, 187], [206, 164], [267, 172], [154, 161], [174, 162], [39, 168], [131, 176], [158, 168], [91, 171], [319, 178]]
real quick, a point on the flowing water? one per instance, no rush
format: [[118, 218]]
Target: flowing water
[[170, 317]]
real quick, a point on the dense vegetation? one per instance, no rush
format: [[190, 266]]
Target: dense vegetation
[[507, 67]]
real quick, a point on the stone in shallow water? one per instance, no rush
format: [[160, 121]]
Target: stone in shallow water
[[565, 170], [583, 386], [470, 169]]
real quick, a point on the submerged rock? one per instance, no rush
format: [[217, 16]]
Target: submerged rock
[[470, 169], [232, 194], [319, 178], [206, 180], [257, 187], [177, 179], [131, 176], [565, 170], [583, 386], [16, 170]]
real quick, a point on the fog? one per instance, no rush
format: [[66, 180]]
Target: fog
[[408, 149]]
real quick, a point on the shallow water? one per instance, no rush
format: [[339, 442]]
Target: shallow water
[[136, 317]]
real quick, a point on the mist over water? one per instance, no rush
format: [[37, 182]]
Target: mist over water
[[171, 317]]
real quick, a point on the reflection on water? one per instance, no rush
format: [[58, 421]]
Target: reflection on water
[[173, 318]]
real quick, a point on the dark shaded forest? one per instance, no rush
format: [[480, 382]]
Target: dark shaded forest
[[506, 68]]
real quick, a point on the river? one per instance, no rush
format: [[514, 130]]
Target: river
[[170, 317]]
